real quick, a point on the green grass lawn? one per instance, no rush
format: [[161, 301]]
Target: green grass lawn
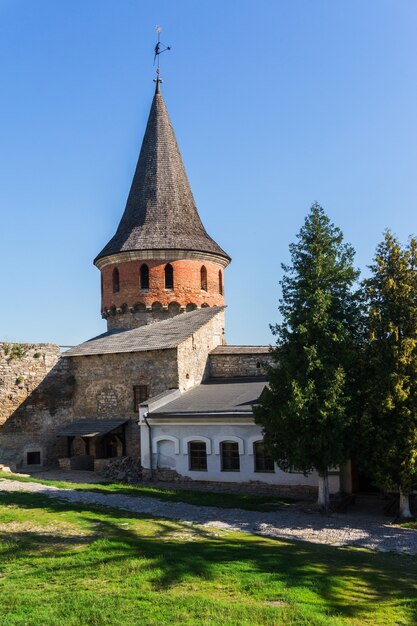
[[410, 524], [68, 564], [248, 502]]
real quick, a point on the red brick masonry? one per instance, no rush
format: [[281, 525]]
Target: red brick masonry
[[187, 284]]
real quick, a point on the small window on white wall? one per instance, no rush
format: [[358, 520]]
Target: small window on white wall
[[263, 461], [197, 456], [230, 460]]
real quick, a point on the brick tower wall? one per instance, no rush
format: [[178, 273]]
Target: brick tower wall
[[132, 306]]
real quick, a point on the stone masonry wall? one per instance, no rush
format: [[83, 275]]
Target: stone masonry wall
[[36, 387], [235, 364], [104, 385], [193, 363]]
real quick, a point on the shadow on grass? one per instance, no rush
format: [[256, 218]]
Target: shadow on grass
[[346, 582], [245, 501]]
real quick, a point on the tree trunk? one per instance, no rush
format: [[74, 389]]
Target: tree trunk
[[323, 500], [404, 505]]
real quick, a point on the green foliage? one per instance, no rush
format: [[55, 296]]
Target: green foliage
[[387, 439], [79, 565], [15, 350], [19, 380], [305, 413]]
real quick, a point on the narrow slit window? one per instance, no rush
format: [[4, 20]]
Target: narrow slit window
[[220, 283], [203, 278], [169, 276], [140, 394], [116, 281], [144, 276]]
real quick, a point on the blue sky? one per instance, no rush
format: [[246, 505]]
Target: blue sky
[[275, 104]]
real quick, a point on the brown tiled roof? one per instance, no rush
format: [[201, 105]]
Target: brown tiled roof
[[159, 336], [160, 212]]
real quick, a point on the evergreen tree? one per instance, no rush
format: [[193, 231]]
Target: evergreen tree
[[305, 410], [388, 429]]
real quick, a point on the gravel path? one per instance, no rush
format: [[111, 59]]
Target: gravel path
[[367, 531]]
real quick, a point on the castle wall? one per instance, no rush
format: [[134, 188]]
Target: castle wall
[[193, 364], [104, 385], [234, 362], [36, 387]]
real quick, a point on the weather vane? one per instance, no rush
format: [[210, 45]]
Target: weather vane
[[159, 49]]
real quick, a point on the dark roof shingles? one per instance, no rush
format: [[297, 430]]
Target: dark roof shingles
[[217, 396], [90, 428], [160, 212], [159, 336]]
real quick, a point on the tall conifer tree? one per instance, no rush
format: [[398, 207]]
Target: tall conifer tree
[[388, 433], [304, 411]]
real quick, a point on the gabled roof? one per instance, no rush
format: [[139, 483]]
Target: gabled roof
[[159, 336], [216, 397], [160, 212]]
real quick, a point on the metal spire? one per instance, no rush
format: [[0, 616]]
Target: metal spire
[[159, 49]]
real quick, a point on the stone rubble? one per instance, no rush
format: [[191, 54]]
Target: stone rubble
[[122, 469]]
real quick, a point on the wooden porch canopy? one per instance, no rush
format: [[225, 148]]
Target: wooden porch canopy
[[90, 428]]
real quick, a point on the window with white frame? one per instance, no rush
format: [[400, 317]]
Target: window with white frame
[[230, 459], [197, 456]]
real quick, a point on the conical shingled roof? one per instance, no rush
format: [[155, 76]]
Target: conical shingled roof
[[160, 211]]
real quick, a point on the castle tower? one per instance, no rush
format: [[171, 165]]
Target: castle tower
[[161, 261]]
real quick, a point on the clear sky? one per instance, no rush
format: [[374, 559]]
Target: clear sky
[[275, 104]]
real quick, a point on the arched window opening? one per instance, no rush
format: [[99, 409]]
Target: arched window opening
[[220, 283], [116, 281], [169, 276], [144, 276], [173, 308], [203, 278]]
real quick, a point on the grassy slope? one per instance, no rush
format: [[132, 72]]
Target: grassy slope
[[75, 565], [247, 502]]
